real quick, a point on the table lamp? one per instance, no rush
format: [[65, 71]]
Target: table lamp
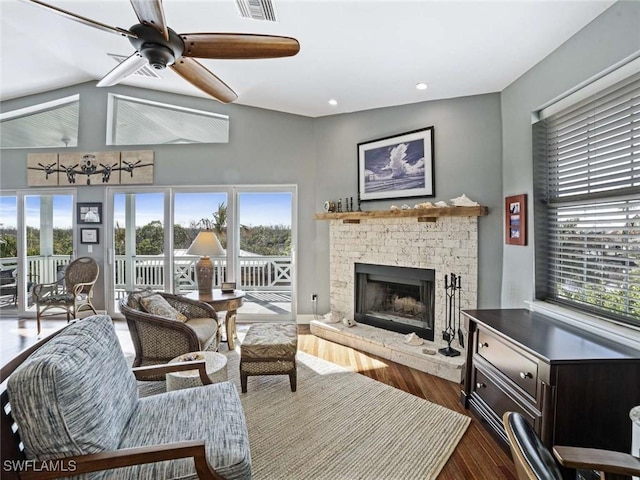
[[206, 245]]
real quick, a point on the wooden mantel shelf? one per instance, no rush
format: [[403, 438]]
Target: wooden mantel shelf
[[423, 214]]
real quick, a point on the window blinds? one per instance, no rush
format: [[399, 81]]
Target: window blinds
[[590, 188]]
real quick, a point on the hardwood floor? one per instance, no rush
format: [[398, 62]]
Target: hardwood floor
[[477, 457]]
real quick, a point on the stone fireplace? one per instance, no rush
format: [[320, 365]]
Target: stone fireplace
[[445, 244]]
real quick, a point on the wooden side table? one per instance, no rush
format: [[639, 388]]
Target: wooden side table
[[230, 302]]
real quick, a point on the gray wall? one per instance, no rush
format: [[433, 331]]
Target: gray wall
[[468, 159], [610, 38], [318, 155], [265, 147]]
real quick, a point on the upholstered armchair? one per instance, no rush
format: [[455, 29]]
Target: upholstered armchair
[[70, 406], [161, 335], [72, 293]]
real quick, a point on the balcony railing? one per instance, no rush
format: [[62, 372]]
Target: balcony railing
[[40, 269], [256, 273]]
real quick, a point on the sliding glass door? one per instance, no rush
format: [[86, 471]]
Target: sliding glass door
[[36, 243], [194, 211], [138, 253], [265, 260], [153, 228], [8, 254]]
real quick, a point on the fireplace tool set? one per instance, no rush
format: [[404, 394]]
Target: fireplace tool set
[[450, 332]]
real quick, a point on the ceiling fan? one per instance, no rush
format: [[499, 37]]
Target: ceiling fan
[[161, 47]]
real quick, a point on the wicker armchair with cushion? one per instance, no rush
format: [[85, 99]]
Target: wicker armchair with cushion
[[72, 293], [160, 333]]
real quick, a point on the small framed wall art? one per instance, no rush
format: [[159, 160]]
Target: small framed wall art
[[89, 236], [515, 218], [90, 213]]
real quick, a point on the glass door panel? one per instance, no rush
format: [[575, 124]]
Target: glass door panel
[[8, 254], [138, 242], [48, 224], [192, 213], [265, 259]]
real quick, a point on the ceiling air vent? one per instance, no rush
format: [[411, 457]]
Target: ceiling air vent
[[257, 9], [144, 71]]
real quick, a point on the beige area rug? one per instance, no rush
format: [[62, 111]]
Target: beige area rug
[[340, 425]]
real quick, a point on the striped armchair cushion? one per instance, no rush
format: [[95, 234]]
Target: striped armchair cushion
[[74, 395], [213, 413]]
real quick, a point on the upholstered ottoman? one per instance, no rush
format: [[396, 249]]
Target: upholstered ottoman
[[269, 349]]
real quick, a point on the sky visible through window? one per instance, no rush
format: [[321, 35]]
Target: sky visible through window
[[260, 208]]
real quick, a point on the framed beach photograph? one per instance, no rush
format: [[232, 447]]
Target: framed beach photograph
[[90, 213], [400, 166], [89, 236], [515, 214]]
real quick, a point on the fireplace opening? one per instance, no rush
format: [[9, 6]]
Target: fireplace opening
[[400, 299]]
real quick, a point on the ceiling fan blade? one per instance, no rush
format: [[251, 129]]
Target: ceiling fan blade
[[84, 20], [198, 75], [151, 12], [238, 45], [131, 65]]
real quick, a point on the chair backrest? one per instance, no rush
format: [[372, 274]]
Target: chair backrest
[[532, 459], [7, 277], [81, 270], [75, 394]]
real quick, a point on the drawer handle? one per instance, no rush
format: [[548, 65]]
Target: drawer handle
[[525, 375], [480, 385], [483, 345]]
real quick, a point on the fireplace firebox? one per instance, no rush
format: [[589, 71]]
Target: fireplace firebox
[[400, 299]]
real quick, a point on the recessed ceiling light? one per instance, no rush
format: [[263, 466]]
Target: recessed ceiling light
[[421, 86], [333, 102]]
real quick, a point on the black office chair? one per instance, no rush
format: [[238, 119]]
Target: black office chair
[[533, 460]]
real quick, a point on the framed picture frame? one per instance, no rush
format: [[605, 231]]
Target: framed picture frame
[[399, 166], [89, 213], [515, 218], [89, 236]]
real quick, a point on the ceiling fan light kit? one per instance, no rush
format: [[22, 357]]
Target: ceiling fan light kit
[[159, 46]]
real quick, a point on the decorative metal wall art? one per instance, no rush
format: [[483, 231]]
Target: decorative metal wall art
[[95, 168]]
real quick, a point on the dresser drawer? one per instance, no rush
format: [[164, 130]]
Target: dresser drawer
[[520, 369], [499, 401]]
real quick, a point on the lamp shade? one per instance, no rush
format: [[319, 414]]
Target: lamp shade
[[206, 244]]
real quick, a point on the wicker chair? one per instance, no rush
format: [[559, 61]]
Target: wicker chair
[[159, 339], [72, 293]]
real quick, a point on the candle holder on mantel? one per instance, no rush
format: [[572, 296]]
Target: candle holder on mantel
[[449, 333]]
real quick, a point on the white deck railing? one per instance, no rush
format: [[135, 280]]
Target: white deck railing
[[268, 273], [40, 269], [256, 273]]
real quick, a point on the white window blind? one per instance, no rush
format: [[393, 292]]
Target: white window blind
[[587, 162]]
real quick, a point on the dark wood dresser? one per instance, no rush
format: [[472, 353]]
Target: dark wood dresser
[[574, 387]]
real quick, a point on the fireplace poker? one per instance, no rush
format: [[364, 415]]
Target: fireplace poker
[[460, 333]]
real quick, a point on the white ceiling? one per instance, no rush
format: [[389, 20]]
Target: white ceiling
[[363, 53]]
